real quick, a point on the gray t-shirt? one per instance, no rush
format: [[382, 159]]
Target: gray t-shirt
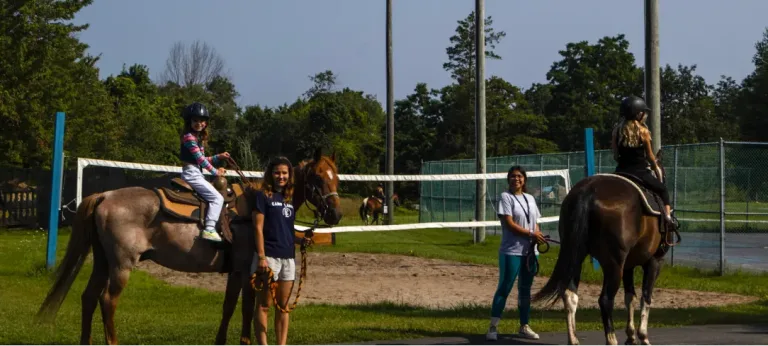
[[512, 243]]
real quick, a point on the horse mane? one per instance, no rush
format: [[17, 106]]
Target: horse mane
[[323, 159]]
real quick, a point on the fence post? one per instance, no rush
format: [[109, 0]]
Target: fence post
[[674, 200], [57, 170], [722, 207], [589, 168]]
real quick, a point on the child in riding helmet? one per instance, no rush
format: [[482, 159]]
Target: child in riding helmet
[[192, 154], [631, 145]]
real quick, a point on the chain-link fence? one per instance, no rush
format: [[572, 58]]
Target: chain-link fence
[[723, 217]]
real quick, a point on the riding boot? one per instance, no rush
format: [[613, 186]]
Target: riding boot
[[223, 225]]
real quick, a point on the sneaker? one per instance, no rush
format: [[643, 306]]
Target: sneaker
[[211, 234], [528, 333], [492, 334]]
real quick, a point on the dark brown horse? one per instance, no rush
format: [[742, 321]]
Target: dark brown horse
[[605, 216], [373, 206], [127, 225]]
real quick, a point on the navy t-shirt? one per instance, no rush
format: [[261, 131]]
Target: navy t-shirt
[[278, 224]]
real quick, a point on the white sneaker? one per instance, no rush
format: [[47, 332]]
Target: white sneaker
[[492, 334], [211, 234], [528, 333]]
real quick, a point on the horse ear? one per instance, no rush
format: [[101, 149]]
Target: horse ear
[[318, 154]]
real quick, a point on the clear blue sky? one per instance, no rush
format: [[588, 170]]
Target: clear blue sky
[[270, 47]]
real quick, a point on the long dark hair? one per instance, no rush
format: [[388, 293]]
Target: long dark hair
[[269, 182], [522, 171], [202, 136]]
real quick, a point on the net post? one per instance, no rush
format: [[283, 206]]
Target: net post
[[589, 168], [722, 206], [480, 184], [674, 200], [57, 170]]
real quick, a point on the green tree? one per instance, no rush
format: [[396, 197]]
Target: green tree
[[512, 128], [149, 123], [461, 54], [753, 107], [588, 85], [45, 69]]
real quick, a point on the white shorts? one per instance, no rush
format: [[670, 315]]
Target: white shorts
[[283, 269]]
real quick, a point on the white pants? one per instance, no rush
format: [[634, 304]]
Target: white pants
[[283, 269], [194, 177]]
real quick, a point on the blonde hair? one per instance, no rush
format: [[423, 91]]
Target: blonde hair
[[631, 133]]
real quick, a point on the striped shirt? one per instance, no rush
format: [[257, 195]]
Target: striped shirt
[[189, 141]]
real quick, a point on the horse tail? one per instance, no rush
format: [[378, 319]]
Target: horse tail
[[80, 241], [574, 229], [362, 210]]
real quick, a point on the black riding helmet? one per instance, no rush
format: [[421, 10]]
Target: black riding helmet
[[632, 105], [196, 109]]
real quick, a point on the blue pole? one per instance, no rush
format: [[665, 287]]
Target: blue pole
[[57, 170], [589, 168]]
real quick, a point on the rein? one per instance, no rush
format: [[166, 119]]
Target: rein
[[259, 281], [314, 191], [531, 256]]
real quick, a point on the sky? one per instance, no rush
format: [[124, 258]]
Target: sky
[[271, 47]]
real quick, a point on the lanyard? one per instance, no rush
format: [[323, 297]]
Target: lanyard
[[526, 212]]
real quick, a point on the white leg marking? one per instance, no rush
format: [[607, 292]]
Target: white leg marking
[[630, 300], [645, 310], [571, 301], [610, 339]]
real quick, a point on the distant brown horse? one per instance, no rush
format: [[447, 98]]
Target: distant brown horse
[[607, 217], [127, 225], [374, 206]]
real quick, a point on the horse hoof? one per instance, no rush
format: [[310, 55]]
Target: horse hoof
[[645, 342]]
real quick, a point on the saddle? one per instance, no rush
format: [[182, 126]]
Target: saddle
[[183, 203], [654, 206]]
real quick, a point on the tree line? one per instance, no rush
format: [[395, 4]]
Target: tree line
[[44, 68]]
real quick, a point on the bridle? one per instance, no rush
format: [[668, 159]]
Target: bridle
[[312, 191]]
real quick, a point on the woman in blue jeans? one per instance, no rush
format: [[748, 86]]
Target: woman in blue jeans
[[519, 222]]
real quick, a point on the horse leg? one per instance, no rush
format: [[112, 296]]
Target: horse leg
[[230, 302], [249, 303], [611, 281], [630, 299], [571, 302], [91, 296], [118, 279], [650, 273]]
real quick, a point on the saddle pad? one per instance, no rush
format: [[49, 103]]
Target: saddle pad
[[653, 207], [179, 209]]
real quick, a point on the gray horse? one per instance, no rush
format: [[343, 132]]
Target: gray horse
[[127, 225]]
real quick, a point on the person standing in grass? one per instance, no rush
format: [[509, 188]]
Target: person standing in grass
[[519, 217]]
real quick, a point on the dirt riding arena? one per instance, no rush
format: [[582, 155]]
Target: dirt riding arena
[[355, 278]]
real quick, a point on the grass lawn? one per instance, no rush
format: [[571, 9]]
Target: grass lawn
[[153, 312]]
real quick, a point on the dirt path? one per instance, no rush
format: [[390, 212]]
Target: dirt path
[[351, 278]]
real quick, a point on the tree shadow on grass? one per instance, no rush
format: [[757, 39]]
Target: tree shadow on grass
[[749, 314]]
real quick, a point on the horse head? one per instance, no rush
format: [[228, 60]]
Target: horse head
[[320, 181]]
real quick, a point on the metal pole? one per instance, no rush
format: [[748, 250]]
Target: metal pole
[[722, 207], [480, 114], [652, 77], [674, 200], [57, 171], [390, 185]]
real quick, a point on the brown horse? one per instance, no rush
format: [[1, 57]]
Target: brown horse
[[605, 216], [127, 225], [374, 206]]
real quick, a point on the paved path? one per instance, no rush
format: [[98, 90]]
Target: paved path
[[691, 335]]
